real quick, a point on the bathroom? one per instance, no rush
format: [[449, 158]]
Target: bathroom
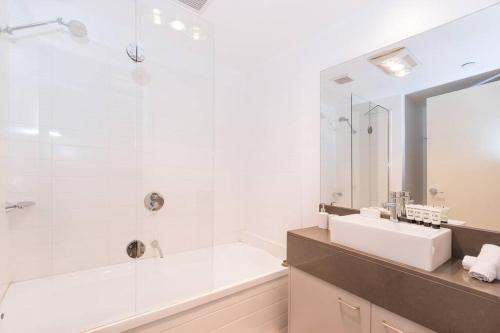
[[209, 166]]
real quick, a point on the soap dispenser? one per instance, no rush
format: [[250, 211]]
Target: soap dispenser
[[323, 220]]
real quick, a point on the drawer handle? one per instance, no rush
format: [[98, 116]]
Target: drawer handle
[[386, 324], [352, 307]]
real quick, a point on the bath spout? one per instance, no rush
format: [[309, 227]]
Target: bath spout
[[156, 245]]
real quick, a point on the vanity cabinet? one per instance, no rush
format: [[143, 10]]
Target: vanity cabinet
[[384, 321], [317, 306]]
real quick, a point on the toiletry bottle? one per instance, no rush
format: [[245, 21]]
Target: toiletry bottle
[[426, 216], [444, 214], [323, 221], [436, 217], [410, 213], [418, 210]]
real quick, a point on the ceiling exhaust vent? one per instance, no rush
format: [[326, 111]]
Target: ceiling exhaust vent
[[194, 4], [343, 79]]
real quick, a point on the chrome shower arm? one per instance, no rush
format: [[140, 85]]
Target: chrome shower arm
[[10, 30], [76, 28]]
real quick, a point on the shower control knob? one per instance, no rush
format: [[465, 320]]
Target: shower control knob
[[154, 201]]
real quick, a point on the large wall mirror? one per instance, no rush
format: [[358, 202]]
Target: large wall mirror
[[421, 115]]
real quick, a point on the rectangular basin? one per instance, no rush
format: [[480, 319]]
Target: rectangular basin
[[406, 243]]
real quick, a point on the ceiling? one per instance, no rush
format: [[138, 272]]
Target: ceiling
[[249, 31], [440, 53]]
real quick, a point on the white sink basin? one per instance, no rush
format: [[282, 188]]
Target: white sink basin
[[409, 244]]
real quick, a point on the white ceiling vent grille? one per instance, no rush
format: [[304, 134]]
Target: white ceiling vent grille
[[195, 4]]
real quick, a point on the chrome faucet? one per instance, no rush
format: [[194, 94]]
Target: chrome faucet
[[404, 199], [156, 245], [397, 204], [391, 206]]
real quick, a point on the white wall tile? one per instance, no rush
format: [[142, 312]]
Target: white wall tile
[[86, 138], [6, 271]]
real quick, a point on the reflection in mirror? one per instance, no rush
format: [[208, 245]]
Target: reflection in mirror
[[370, 153], [421, 115]]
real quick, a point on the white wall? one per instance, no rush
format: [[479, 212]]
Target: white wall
[[284, 128], [230, 181], [177, 125], [4, 104]]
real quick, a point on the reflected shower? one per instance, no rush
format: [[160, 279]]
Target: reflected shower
[[344, 119], [375, 107], [76, 28]]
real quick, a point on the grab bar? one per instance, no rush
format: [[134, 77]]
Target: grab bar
[[20, 205]]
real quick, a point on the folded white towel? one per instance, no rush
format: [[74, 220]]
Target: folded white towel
[[487, 263], [469, 261]]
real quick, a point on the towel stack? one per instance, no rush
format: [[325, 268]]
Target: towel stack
[[486, 266]]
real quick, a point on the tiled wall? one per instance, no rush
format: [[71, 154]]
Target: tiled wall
[[177, 128], [4, 102], [90, 133]]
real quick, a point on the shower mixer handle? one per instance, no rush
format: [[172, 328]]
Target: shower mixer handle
[[154, 201]]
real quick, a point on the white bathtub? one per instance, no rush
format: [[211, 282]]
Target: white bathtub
[[125, 296]]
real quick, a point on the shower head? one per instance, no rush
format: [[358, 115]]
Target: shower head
[[344, 119], [76, 28]]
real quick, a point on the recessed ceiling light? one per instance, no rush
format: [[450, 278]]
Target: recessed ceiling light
[[178, 25], [397, 62]]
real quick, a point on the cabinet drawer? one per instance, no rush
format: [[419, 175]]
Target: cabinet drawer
[[384, 321], [319, 307]]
